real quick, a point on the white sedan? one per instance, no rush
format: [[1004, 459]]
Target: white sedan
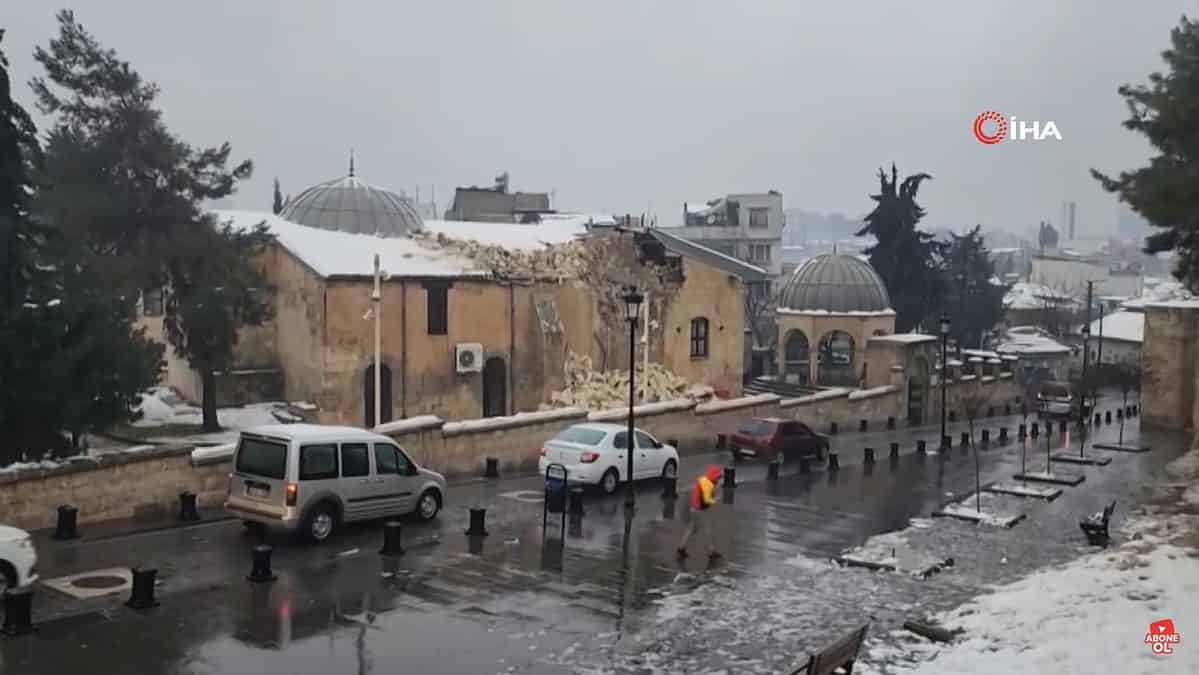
[[18, 558], [594, 454]]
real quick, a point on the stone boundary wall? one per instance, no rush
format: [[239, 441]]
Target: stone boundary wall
[[147, 482], [108, 487]]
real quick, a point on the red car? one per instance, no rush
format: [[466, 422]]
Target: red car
[[766, 437]]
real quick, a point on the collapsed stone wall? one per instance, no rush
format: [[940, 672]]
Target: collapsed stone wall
[[593, 389]]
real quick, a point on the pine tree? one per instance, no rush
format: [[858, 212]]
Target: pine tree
[[277, 207], [69, 358], [213, 293], [133, 192], [905, 258], [1166, 112], [974, 301]]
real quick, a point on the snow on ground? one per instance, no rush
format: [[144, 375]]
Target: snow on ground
[[160, 406], [1027, 490], [1089, 616], [213, 454], [893, 550], [996, 510]]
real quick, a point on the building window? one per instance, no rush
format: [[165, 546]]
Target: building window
[[699, 338], [759, 253], [437, 303], [152, 302], [759, 217]]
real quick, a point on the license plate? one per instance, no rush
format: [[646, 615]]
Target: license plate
[[252, 491]]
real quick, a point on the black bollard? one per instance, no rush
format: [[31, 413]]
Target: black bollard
[[1107, 417], [862, 425], [832, 428], [1035, 430], [890, 422], [805, 465], [1021, 431], [261, 569], [575, 506], [953, 416], [1135, 412], [990, 412], [868, 456], [1063, 426], [965, 438], [187, 506], [478, 518], [18, 611], [1003, 434], [730, 477], [670, 487], [1007, 409], [67, 518], [492, 468], [921, 447], [142, 595], [894, 449], [986, 436], [393, 538], [1098, 419], [772, 471], [832, 462], [1119, 413], [946, 443]]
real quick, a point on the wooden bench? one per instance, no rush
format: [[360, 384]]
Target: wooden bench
[[1095, 525], [841, 654]]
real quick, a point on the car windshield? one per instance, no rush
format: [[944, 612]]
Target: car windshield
[[262, 458], [581, 436], [1055, 391], [756, 428]]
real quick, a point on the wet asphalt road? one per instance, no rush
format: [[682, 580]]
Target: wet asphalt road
[[613, 598]]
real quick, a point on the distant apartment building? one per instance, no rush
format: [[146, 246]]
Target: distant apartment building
[[497, 205], [748, 227]]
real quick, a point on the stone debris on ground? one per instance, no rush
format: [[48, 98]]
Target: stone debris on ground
[[592, 389]]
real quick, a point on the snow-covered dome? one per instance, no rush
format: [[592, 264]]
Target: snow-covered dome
[[351, 205], [835, 283]]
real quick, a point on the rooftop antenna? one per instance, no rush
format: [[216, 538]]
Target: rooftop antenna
[[351, 162]]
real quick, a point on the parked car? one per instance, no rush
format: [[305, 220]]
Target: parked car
[[766, 437], [594, 454], [18, 558], [1056, 399], [311, 479]]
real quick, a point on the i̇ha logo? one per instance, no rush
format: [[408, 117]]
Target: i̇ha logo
[[1162, 637], [990, 127]]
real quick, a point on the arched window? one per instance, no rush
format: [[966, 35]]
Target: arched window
[[699, 338], [796, 357], [835, 360]]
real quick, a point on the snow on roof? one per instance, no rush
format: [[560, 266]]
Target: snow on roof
[[1026, 295], [529, 237], [1127, 326], [1031, 343], [1176, 304], [982, 353], [903, 338], [825, 312], [330, 253], [1159, 291]]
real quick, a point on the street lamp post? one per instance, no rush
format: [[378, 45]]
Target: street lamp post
[[632, 301], [944, 371], [1086, 384], [376, 304]]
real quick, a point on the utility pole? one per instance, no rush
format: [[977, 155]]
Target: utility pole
[[1086, 331], [1099, 360]]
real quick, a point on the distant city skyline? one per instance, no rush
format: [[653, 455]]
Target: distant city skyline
[[633, 107]]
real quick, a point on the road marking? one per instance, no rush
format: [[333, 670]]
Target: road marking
[[527, 496]]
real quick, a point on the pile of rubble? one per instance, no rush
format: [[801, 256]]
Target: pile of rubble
[[593, 389], [560, 262]]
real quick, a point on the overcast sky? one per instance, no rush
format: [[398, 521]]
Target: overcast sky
[[638, 106]]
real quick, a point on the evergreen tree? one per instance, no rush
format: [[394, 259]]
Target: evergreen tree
[[69, 358], [975, 303], [133, 192], [213, 293], [905, 258], [1166, 112], [278, 205]]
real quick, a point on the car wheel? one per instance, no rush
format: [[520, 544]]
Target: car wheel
[[320, 523], [610, 480], [670, 469], [429, 504], [8, 577], [821, 453]]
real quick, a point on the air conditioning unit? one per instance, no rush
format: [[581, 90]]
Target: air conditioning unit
[[468, 356]]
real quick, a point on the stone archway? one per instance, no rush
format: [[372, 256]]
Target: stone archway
[[796, 358], [835, 360], [368, 395], [495, 387]]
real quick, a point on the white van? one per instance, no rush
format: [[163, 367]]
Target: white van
[[311, 479]]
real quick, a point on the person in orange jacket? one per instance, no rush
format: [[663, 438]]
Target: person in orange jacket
[[703, 496]]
